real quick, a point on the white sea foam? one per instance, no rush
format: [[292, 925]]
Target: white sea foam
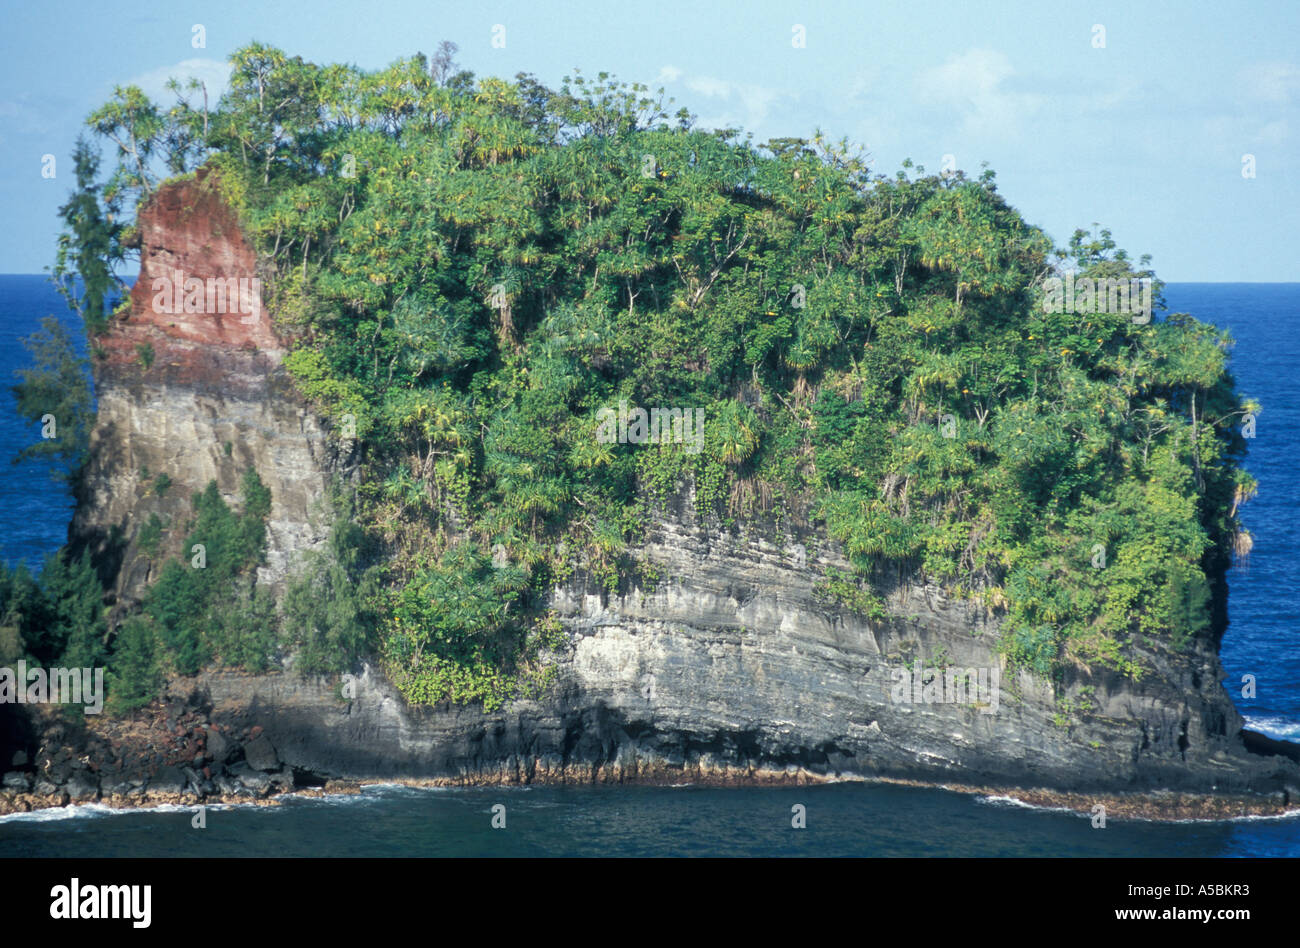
[[85, 811], [1021, 804], [1275, 726]]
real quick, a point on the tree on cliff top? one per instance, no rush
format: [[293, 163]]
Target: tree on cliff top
[[90, 248], [54, 391], [132, 122]]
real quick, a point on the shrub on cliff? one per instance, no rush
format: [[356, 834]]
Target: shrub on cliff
[[244, 632], [329, 617], [204, 604], [58, 617], [134, 675], [454, 631]]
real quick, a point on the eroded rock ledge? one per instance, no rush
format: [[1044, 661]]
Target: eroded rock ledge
[[732, 666]]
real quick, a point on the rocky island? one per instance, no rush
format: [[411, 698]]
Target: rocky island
[[417, 561]]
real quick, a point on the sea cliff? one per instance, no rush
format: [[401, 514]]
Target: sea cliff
[[731, 666]]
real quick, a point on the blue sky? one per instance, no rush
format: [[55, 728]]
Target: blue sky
[[1145, 136]]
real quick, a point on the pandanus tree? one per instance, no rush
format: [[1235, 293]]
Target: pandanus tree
[[968, 232], [734, 431], [272, 103], [134, 124]]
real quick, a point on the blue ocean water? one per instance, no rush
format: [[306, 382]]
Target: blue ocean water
[[844, 819], [35, 508], [1264, 589]]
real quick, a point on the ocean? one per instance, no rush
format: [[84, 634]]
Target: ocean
[[35, 507], [847, 819]]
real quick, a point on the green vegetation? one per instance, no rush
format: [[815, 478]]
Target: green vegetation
[[91, 246], [473, 268], [205, 606], [54, 394], [329, 605], [150, 535], [56, 620], [134, 679], [848, 591]]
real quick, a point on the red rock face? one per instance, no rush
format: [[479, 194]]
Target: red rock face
[[193, 257], [196, 396], [188, 232]]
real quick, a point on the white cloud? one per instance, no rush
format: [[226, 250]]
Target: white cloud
[[737, 104], [668, 74], [864, 84], [1275, 133], [974, 84], [21, 114], [209, 71], [974, 74], [1272, 82]]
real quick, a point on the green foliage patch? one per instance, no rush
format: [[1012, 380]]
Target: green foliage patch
[[474, 268]]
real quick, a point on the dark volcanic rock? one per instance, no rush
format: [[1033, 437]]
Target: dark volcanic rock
[[44, 787], [83, 788], [167, 780], [194, 779], [17, 781], [260, 754], [254, 781], [218, 747]]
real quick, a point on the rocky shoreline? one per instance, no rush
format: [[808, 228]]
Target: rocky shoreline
[[170, 752], [1154, 806], [178, 752]]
